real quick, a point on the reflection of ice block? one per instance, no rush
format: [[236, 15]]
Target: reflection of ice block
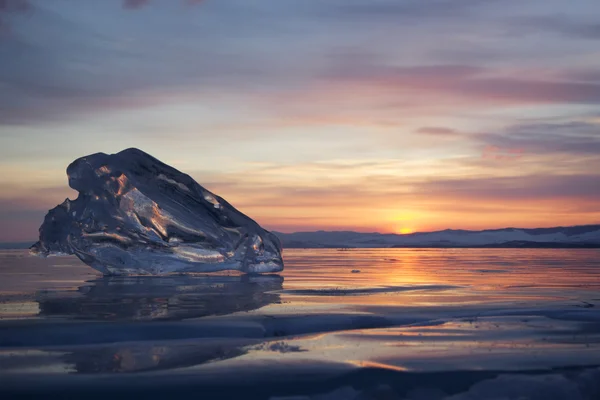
[[172, 297], [137, 215]]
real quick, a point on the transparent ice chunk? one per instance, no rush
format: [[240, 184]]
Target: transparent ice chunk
[[137, 215]]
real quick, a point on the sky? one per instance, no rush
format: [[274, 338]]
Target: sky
[[366, 115]]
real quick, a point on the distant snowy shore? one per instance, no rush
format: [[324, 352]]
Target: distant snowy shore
[[585, 236], [572, 237]]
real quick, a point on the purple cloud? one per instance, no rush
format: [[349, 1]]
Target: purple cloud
[[528, 187], [561, 25], [10, 6], [14, 5], [134, 4], [137, 4], [469, 82], [575, 138]]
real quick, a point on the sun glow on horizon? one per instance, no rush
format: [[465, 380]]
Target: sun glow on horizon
[[404, 230]]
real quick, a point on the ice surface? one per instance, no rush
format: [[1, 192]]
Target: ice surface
[[433, 324], [137, 215]]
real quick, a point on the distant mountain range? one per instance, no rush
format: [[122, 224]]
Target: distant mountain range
[[585, 236]]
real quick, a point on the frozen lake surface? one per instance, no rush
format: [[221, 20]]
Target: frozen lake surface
[[336, 324]]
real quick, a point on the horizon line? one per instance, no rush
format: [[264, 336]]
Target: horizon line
[[33, 241]]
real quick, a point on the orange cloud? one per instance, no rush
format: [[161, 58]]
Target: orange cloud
[[438, 131], [498, 153]]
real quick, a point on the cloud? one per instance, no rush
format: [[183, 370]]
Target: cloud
[[373, 89], [418, 75], [135, 4], [14, 5], [531, 91], [426, 202], [407, 95], [11, 6], [412, 10], [562, 25], [574, 138], [501, 154], [528, 187], [438, 131], [590, 75], [37, 84], [330, 192], [491, 86], [59, 77]]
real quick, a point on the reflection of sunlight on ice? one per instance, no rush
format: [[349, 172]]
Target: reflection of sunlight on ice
[[19, 309], [484, 343], [407, 310], [479, 275], [53, 362], [372, 364]]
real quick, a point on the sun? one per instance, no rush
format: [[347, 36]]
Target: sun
[[404, 230]]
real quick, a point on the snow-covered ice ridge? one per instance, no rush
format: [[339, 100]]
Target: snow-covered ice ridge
[[137, 215], [574, 236]]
